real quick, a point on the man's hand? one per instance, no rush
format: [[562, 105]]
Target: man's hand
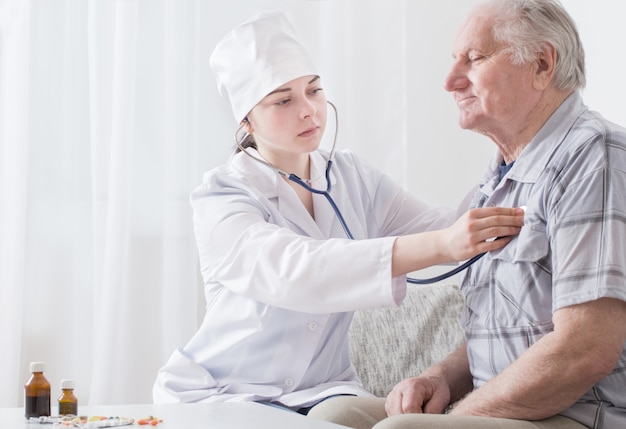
[[424, 394]]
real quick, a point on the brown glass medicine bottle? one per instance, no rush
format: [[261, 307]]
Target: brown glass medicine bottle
[[37, 392], [68, 404]]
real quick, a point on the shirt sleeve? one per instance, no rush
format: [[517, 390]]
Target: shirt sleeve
[[393, 210], [244, 245], [587, 225]]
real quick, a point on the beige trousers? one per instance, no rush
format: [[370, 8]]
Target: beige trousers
[[367, 413]]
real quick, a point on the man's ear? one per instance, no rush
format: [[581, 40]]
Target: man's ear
[[545, 66]]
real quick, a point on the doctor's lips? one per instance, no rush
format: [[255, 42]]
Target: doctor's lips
[[309, 132]]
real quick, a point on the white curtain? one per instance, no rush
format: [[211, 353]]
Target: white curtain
[[97, 266], [109, 115]]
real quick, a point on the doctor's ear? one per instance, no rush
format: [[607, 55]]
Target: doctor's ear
[[245, 122]]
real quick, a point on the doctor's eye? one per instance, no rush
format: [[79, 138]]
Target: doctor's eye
[[283, 102]]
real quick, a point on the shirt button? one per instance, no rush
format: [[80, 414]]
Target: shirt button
[[312, 326], [288, 382]]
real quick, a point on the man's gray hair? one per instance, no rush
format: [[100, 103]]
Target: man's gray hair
[[525, 25]]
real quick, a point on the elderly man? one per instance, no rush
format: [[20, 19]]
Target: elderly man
[[544, 317]]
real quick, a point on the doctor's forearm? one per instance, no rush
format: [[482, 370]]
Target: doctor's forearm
[[414, 252], [467, 237]]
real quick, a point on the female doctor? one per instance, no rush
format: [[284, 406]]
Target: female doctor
[[281, 277]]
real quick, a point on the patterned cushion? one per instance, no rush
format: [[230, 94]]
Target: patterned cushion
[[390, 344]]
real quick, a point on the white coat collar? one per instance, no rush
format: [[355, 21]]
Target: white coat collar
[[267, 180], [262, 177], [276, 189]]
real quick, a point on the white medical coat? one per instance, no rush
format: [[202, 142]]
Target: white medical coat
[[281, 286]]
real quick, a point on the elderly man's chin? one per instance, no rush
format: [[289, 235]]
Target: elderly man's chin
[[467, 120]]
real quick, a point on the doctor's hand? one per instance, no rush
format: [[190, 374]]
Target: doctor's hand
[[472, 234], [423, 394], [476, 231]]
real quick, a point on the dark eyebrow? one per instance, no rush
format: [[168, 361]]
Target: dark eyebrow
[[276, 91]]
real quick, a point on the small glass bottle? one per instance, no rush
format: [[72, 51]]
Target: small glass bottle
[[37, 392], [68, 404]]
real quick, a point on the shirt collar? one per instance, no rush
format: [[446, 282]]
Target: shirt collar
[[536, 155]]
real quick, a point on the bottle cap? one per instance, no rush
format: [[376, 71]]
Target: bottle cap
[[67, 383], [37, 366]]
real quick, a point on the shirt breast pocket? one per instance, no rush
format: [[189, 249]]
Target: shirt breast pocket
[[508, 302], [511, 289], [531, 245]]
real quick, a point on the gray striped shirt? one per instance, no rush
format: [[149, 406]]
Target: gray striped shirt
[[572, 179]]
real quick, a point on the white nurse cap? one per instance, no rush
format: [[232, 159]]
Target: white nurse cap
[[257, 57]]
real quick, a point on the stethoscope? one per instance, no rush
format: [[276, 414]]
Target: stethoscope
[[331, 201]]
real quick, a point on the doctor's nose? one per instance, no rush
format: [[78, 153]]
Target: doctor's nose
[[307, 109]]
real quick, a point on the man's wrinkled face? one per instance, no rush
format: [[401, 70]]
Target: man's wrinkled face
[[493, 95]]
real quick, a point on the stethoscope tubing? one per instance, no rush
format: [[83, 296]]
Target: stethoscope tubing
[[326, 193]]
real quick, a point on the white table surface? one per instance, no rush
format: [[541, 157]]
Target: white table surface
[[226, 415]]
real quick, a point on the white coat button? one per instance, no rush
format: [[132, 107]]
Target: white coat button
[[312, 326], [288, 382]]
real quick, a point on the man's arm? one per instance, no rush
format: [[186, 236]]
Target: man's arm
[[434, 389], [555, 372]]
